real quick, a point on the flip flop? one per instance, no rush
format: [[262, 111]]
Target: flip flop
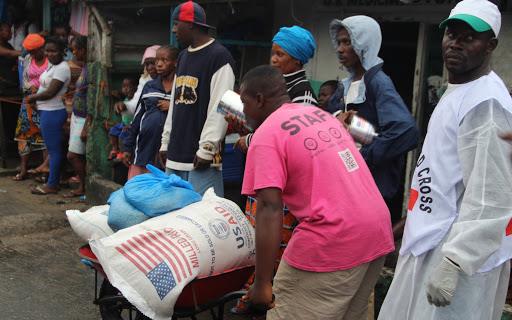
[[36, 171], [41, 179], [74, 179], [19, 177], [73, 194], [39, 190]]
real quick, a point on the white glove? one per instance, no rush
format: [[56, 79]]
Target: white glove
[[442, 283]]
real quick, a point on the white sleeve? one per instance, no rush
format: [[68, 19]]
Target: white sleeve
[[215, 126], [131, 104], [32, 28], [166, 133], [486, 205], [62, 72]]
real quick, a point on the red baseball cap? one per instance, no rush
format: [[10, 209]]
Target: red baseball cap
[[191, 12]]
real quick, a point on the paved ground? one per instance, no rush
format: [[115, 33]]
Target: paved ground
[[41, 276], [40, 272]]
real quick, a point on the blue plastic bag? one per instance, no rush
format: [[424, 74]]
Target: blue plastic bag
[[156, 193], [121, 214]]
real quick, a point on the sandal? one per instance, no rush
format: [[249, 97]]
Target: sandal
[[73, 179], [19, 177], [42, 190], [73, 194], [37, 171], [41, 179]]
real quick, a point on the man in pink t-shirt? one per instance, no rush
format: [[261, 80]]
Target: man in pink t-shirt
[[302, 156]]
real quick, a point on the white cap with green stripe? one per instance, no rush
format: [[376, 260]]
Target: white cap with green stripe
[[481, 15]]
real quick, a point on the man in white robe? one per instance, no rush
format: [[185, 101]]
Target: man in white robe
[[454, 261]]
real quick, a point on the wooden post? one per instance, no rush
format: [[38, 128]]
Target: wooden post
[[47, 15], [418, 104]]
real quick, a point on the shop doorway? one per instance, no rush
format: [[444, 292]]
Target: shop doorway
[[398, 50]]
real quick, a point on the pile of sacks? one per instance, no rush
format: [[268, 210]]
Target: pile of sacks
[[152, 261]]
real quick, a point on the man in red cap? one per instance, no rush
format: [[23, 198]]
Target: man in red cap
[[194, 131]]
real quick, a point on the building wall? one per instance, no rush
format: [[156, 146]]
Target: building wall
[[324, 65], [316, 15], [502, 60]]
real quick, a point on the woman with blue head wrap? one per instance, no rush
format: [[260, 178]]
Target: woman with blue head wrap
[[292, 48]]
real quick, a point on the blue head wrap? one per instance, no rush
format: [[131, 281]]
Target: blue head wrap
[[297, 42]]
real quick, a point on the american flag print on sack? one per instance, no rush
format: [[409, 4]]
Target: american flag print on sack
[[159, 256]]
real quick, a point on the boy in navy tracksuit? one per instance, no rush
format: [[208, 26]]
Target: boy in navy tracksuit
[[142, 143]]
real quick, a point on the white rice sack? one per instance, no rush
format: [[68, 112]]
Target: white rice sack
[[91, 224], [151, 263]]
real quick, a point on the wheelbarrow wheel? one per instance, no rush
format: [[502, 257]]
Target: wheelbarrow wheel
[[113, 306]]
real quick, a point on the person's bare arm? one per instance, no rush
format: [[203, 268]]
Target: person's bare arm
[[9, 53], [507, 136], [49, 93], [268, 238]]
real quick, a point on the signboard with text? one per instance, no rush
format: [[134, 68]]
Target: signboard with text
[[376, 3]]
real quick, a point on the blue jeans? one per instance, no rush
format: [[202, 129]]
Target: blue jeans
[[51, 123], [202, 180]]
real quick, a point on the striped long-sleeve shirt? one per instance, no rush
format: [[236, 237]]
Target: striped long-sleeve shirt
[[299, 89]]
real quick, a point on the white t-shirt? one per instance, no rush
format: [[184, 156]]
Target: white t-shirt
[[353, 92], [59, 72]]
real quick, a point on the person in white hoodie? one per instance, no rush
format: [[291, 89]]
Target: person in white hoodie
[[454, 261]]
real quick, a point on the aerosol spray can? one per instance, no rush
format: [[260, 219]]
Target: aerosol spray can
[[231, 104], [361, 130]]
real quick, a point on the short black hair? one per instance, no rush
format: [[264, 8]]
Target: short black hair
[[132, 81], [264, 79], [330, 83], [56, 41], [80, 42], [5, 25], [62, 26], [173, 51]]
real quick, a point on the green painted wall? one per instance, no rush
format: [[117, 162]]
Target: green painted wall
[[98, 103]]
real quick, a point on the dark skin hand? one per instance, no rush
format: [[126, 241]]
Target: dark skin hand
[[127, 158], [9, 53], [163, 158], [119, 107], [51, 92], [507, 136], [85, 130], [269, 220], [200, 163], [237, 125], [346, 117], [241, 144], [164, 105]]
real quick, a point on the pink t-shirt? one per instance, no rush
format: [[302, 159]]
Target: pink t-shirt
[[343, 220], [35, 71]]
